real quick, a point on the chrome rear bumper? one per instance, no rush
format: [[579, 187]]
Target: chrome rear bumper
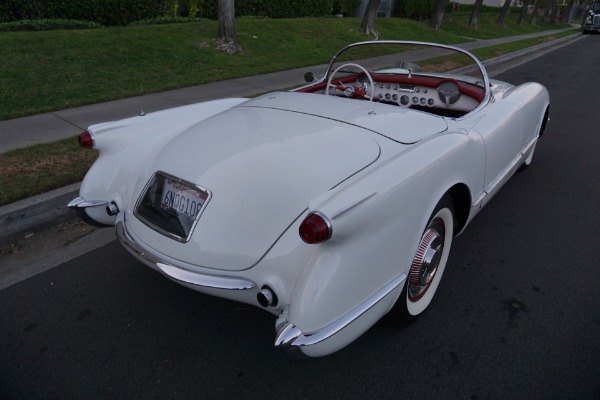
[[289, 337], [174, 272]]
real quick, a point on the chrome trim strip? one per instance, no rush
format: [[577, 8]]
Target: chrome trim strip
[[353, 203], [289, 335], [174, 272], [492, 185], [80, 202], [529, 145], [478, 201], [506, 172]]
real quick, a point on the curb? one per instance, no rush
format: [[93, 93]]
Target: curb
[[500, 64], [37, 212]]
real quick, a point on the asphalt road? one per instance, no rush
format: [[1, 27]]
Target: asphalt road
[[517, 315]]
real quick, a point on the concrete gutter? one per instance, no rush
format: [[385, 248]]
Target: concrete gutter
[[35, 213]]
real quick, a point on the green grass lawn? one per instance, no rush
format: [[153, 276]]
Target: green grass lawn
[[41, 168], [53, 70], [46, 71]]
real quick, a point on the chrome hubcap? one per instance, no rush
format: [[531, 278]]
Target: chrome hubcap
[[426, 261]]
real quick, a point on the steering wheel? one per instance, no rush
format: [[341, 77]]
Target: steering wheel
[[355, 89]]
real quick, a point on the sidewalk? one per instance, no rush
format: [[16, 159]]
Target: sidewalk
[[39, 211]]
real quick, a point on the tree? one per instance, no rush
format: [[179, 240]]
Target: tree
[[475, 14], [503, 12], [567, 14], [436, 22], [182, 9], [368, 21], [547, 11], [523, 12], [555, 9], [226, 34], [534, 13]]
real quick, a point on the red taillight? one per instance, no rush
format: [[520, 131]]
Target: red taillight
[[86, 140], [315, 228]]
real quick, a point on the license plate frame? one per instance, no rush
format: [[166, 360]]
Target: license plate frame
[[171, 205]]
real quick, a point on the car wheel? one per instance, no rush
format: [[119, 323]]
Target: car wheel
[[428, 265]]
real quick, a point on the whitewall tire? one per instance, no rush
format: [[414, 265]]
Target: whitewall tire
[[428, 265]]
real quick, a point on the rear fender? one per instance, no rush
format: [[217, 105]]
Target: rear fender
[[126, 145], [374, 240]]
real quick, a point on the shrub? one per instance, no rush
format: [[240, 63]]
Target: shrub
[[46, 25], [273, 8], [123, 12], [165, 20], [105, 12], [414, 9]]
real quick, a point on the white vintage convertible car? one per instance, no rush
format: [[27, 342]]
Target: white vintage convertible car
[[330, 205]]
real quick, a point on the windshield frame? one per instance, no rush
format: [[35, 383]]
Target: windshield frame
[[476, 63]]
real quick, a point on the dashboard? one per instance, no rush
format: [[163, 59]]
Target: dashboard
[[446, 96], [439, 95]]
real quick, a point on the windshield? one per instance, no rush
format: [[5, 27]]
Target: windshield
[[438, 79], [433, 78], [410, 58]]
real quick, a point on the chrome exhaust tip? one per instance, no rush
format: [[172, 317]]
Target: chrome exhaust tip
[[266, 297], [112, 209]]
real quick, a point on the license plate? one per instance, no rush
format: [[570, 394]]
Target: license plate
[[171, 205], [182, 200]]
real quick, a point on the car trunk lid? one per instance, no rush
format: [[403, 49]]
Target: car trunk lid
[[260, 166]]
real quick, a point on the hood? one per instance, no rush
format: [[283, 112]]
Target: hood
[[261, 166]]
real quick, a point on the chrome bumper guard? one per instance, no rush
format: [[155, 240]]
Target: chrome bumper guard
[[80, 204], [174, 272], [290, 337]]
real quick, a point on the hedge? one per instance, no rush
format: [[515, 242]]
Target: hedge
[[46, 25], [273, 8], [105, 12], [420, 10], [123, 12]]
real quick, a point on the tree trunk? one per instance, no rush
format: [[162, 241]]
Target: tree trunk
[[367, 25], [547, 11], [436, 23], [503, 12], [567, 14], [536, 7], [475, 14], [226, 34], [182, 9], [555, 9], [523, 12]]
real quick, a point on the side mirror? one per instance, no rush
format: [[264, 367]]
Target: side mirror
[[309, 77]]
